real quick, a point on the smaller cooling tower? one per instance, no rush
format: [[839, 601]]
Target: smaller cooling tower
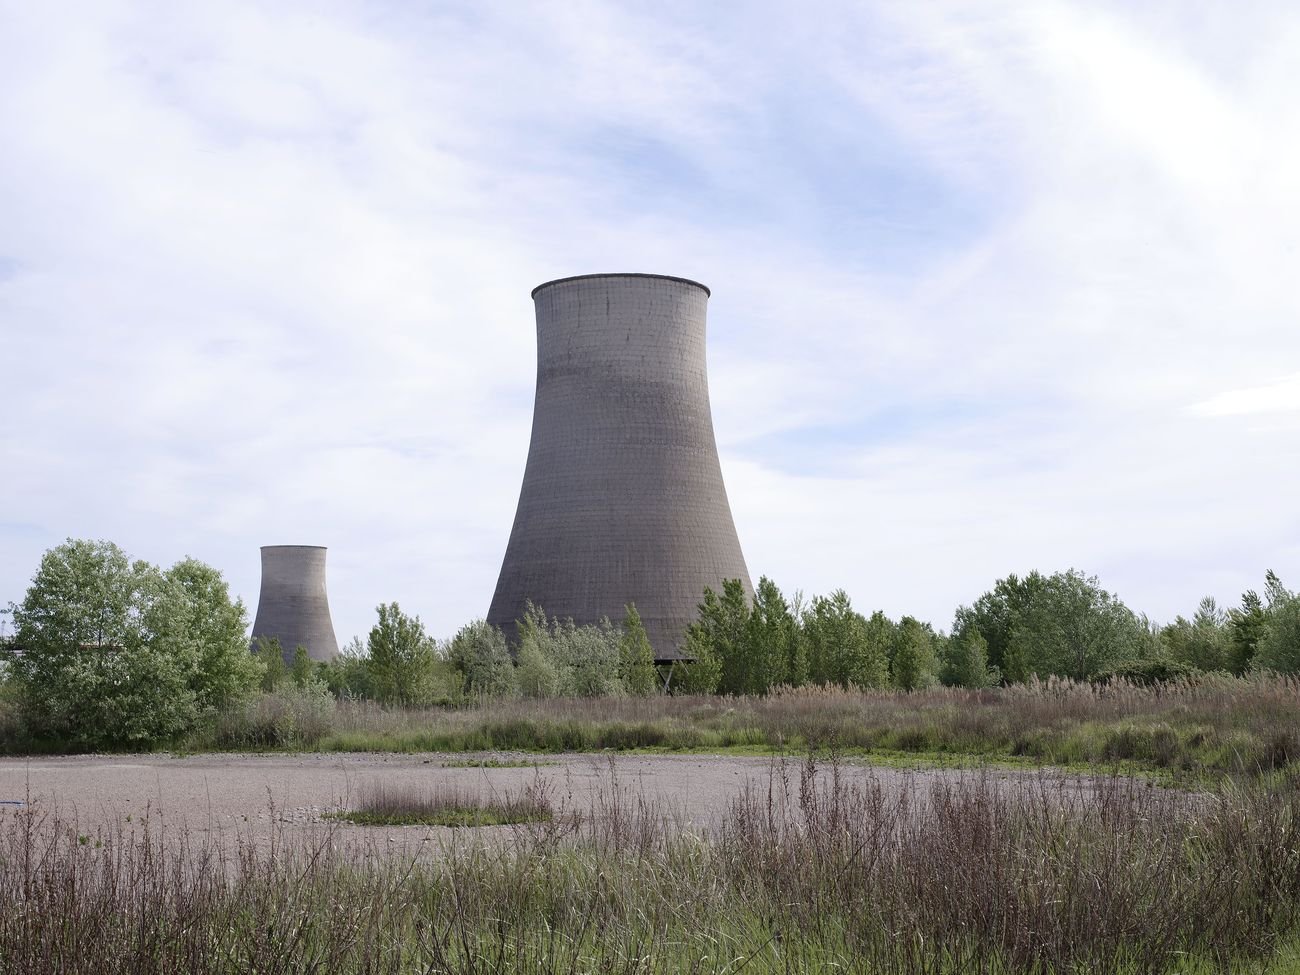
[[292, 606]]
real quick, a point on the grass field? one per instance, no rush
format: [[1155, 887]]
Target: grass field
[[1212, 727], [813, 871], [807, 872]]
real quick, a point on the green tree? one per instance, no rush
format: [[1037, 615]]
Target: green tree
[[559, 657], [536, 669], [701, 670], [712, 641], [1279, 644], [914, 665], [1247, 623], [722, 620], [966, 662], [773, 649], [270, 656], [636, 656], [842, 647], [996, 614], [1063, 624], [1205, 641], [480, 655], [195, 623], [90, 671], [303, 670], [871, 659], [402, 658], [348, 674], [589, 658], [797, 664]]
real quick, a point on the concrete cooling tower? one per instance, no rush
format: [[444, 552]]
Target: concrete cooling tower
[[292, 606], [622, 500]]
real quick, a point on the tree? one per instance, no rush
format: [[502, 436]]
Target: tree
[[303, 671], [1247, 624], [535, 671], [535, 667], [90, 672], [965, 662], [561, 658], [348, 674], [870, 660], [1064, 624], [588, 658], [636, 656], [402, 658], [1279, 644], [842, 648], [771, 640], [194, 621], [702, 670], [722, 622], [914, 665], [797, 665], [715, 643], [1204, 642], [480, 654], [270, 655]]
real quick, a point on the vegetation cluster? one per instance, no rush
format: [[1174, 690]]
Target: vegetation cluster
[[110, 653], [813, 871], [382, 804]]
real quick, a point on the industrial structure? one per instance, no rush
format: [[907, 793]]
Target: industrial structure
[[622, 498], [292, 606]]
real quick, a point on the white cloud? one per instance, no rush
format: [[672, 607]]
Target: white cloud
[[264, 277], [1282, 396]]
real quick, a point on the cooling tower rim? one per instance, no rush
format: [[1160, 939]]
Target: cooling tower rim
[[272, 548], [625, 274]]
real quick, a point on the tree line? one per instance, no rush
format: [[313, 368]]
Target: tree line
[[110, 652], [1035, 626]]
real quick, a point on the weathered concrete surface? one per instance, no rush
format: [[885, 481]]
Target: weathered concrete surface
[[292, 606], [622, 500], [253, 800]]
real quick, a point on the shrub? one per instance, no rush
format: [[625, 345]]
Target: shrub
[[1148, 673], [12, 732], [637, 658], [558, 657], [480, 654], [386, 804], [291, 717]]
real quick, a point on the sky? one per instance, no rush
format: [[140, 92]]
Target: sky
[[995, 287]]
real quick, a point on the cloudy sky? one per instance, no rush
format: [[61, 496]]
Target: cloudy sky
[[996, 286]]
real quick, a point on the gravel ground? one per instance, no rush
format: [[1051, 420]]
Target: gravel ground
[[246, 797]]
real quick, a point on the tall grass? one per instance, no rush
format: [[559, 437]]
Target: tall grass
[[1215, 724], [810, 873], [385, 804], [1209, 726]]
